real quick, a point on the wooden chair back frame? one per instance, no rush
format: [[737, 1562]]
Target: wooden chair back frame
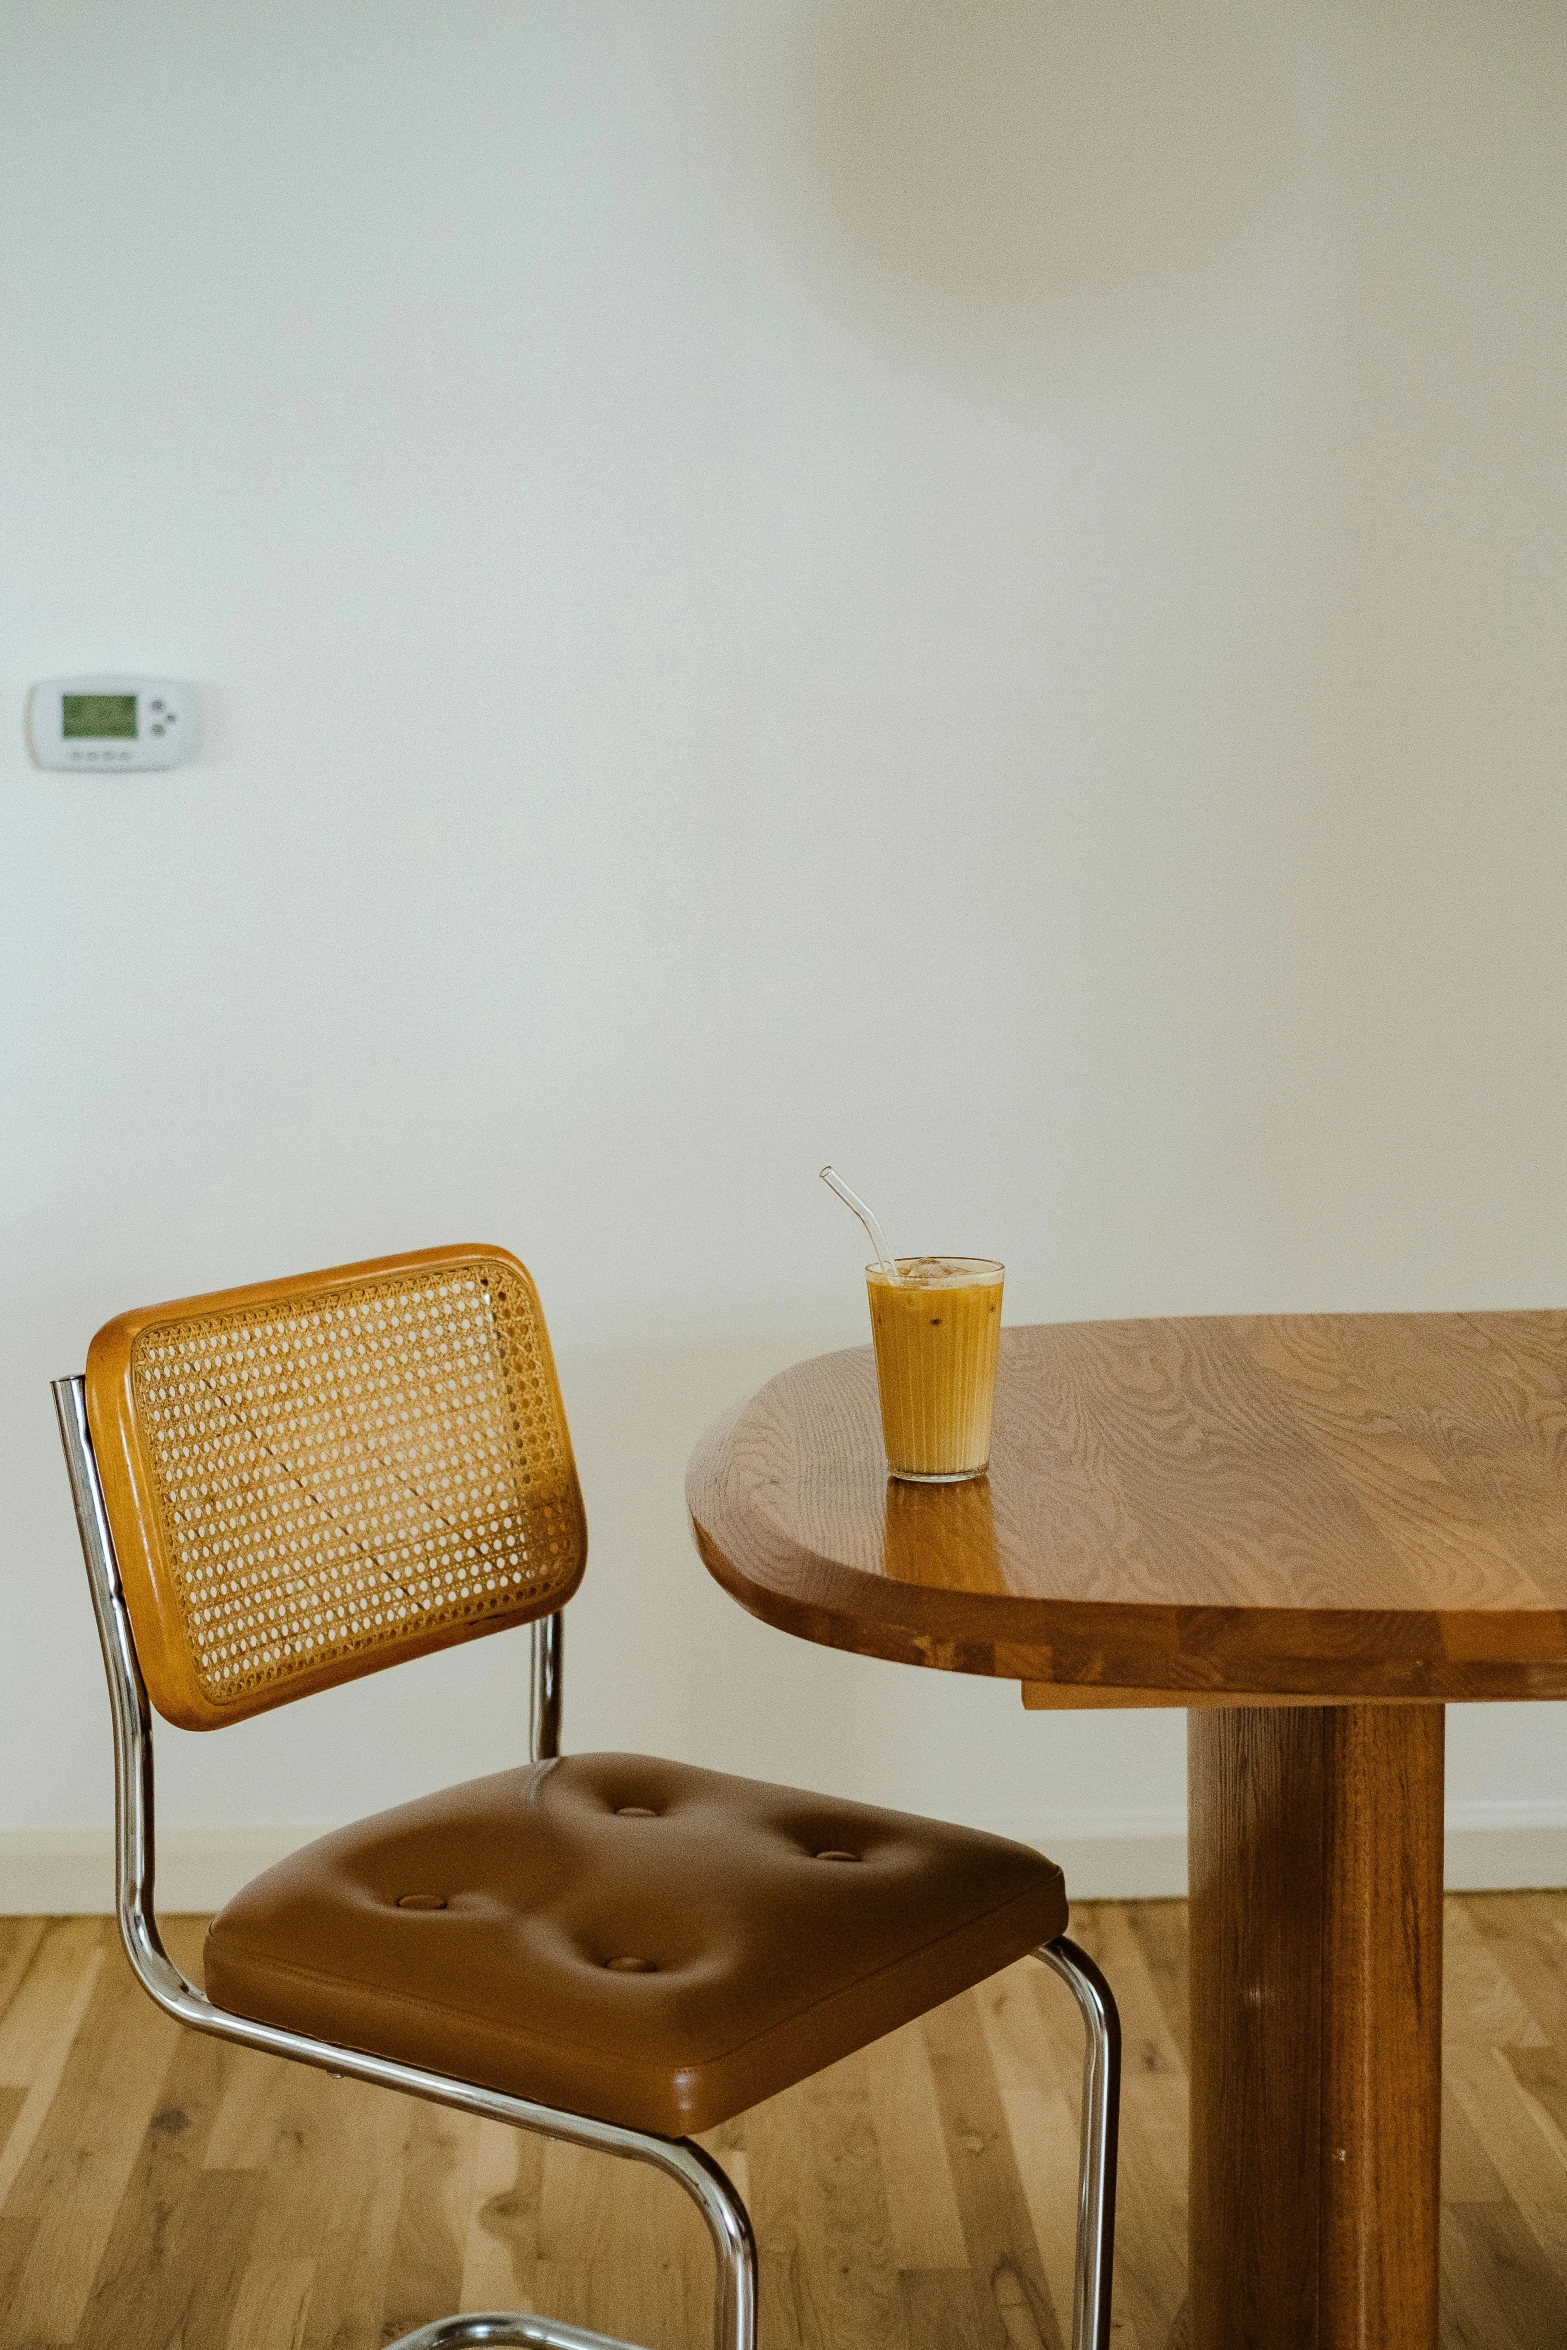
[[314, 1478]]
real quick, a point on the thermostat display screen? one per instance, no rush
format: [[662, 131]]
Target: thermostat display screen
[[98, 716]]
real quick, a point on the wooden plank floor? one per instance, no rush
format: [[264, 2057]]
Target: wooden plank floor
[[158, 2189]]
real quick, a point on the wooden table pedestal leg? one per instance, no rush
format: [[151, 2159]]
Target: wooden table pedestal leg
[[1316, 1958]]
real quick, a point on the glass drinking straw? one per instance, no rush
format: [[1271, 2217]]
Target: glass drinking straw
[[851, 1199]]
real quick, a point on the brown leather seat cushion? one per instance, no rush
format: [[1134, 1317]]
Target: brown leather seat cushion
[[638, 1940]]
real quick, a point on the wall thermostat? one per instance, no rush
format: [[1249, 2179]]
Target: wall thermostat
[[104, 724]]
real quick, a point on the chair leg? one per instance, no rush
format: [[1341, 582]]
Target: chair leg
[[734, 2251], [492, 2327], [734, 2246], [1101, 2125]]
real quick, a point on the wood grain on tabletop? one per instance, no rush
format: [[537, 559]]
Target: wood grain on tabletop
[[1304, 1506], [158, 2187]]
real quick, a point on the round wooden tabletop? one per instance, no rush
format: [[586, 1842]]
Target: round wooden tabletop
[[1323, 1507]]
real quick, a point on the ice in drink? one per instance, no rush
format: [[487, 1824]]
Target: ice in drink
[[937, 1330]]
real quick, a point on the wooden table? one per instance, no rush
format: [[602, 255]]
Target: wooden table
[[1312, 1532]]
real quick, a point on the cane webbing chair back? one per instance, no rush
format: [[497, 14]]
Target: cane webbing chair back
[[313, 1478]]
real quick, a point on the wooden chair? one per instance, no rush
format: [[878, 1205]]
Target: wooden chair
[[282, 1487]]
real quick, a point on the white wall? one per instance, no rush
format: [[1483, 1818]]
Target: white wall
[[976, 589]]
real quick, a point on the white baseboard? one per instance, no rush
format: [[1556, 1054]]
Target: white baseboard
[[1133, 1856], [1141, 1856], [1127, 1856], [70, 1873], [1498, 1848]]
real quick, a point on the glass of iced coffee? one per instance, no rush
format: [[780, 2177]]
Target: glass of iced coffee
[[937, 1329]]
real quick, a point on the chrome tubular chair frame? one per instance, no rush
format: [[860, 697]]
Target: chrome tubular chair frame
[[728, 2223]]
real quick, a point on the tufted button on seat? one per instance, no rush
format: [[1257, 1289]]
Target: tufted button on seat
[[663, 1980]]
